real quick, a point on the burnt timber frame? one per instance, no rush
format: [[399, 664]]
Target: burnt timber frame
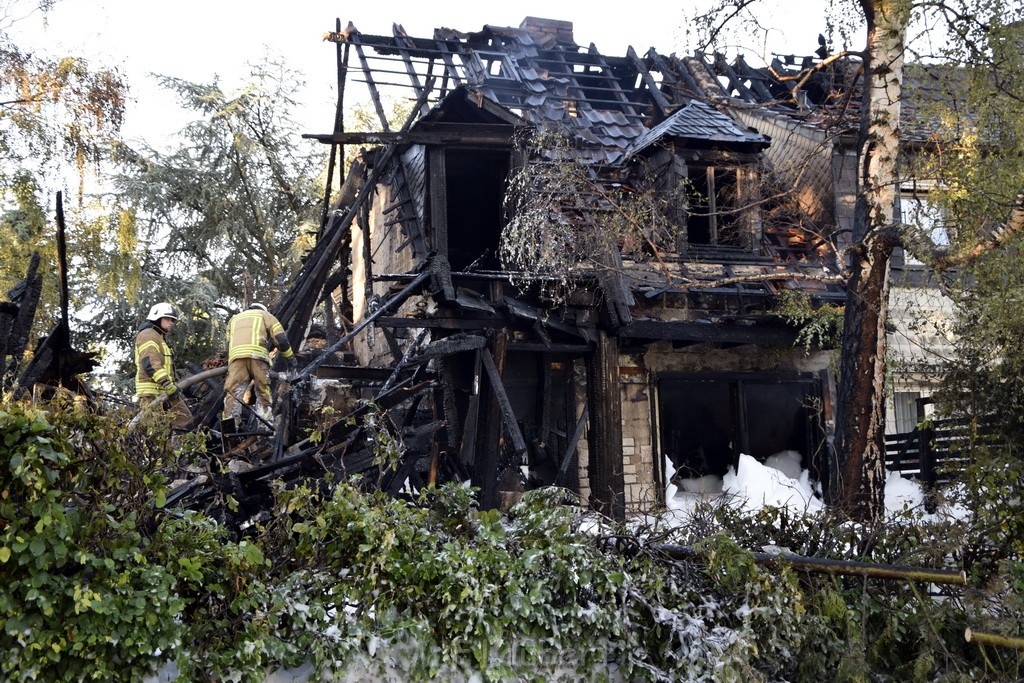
[[446, 374]]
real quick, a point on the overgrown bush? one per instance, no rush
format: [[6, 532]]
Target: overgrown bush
[[98, 582], [79, 596]]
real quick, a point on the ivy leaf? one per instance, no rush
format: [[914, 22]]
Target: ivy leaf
[[5, 554]]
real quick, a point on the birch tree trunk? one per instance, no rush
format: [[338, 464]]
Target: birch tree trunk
[[860, 416]]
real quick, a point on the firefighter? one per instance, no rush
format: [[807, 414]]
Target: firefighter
[[251, 335], [154, 363]]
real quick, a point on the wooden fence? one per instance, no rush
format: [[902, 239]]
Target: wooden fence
[[934, 454]]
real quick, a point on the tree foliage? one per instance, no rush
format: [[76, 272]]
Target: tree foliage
[[970, 154], [220, 217], [99, 581], [58, 111], [983, 388], [57, 118]]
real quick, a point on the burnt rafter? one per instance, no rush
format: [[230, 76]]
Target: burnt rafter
[[509, 67], [294, 310]]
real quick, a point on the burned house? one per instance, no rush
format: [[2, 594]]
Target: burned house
[[577, 261], [811, 110]]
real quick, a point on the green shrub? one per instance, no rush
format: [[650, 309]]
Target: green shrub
[[98, 582], [79, 598]]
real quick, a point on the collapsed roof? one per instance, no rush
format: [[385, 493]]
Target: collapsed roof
[[613, 110]]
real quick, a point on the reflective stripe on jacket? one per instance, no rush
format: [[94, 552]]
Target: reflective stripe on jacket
[[150, 346], [252, 333]]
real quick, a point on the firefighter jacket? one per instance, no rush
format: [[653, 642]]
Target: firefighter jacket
[[252, 333], [154, 365]]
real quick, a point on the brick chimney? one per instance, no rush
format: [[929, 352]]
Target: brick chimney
[[549, 31]]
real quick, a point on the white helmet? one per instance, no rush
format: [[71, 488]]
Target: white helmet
[[259, 306], [162, 310]]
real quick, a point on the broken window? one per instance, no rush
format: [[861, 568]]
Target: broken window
[[494, 65], [714, 209], [707, 422], [706, 203]]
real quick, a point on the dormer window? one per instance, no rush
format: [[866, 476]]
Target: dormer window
[[709, 203]]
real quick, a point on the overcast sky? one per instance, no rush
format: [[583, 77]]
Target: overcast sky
[[198, 39]]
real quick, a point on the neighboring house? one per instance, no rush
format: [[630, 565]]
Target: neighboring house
[[812, 122], [660, 340]]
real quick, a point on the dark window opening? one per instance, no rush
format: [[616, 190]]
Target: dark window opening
[[707, 423], [475, 189], [541, 391], [713, 205]]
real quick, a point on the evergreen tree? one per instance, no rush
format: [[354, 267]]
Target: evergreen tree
[[221, 216]]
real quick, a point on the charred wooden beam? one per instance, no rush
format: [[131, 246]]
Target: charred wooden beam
[[337, 149], [677, 77], [442, 272], [477, 134], [570, 450], [365, 227], [457, 343], [567, 349], [403, 362], [468, 300], [393, 346], [607, 488], [62, 269], [716, 333], [284, 419], [445, 404], [488, 450], [467, 448], [527, 312], [544, 398], [393, 482], [353, 372], [661, 102], [387, 306], [404, 43], [368, 73], [634, 109], [451, 72], [447, 322], [504, 404]]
